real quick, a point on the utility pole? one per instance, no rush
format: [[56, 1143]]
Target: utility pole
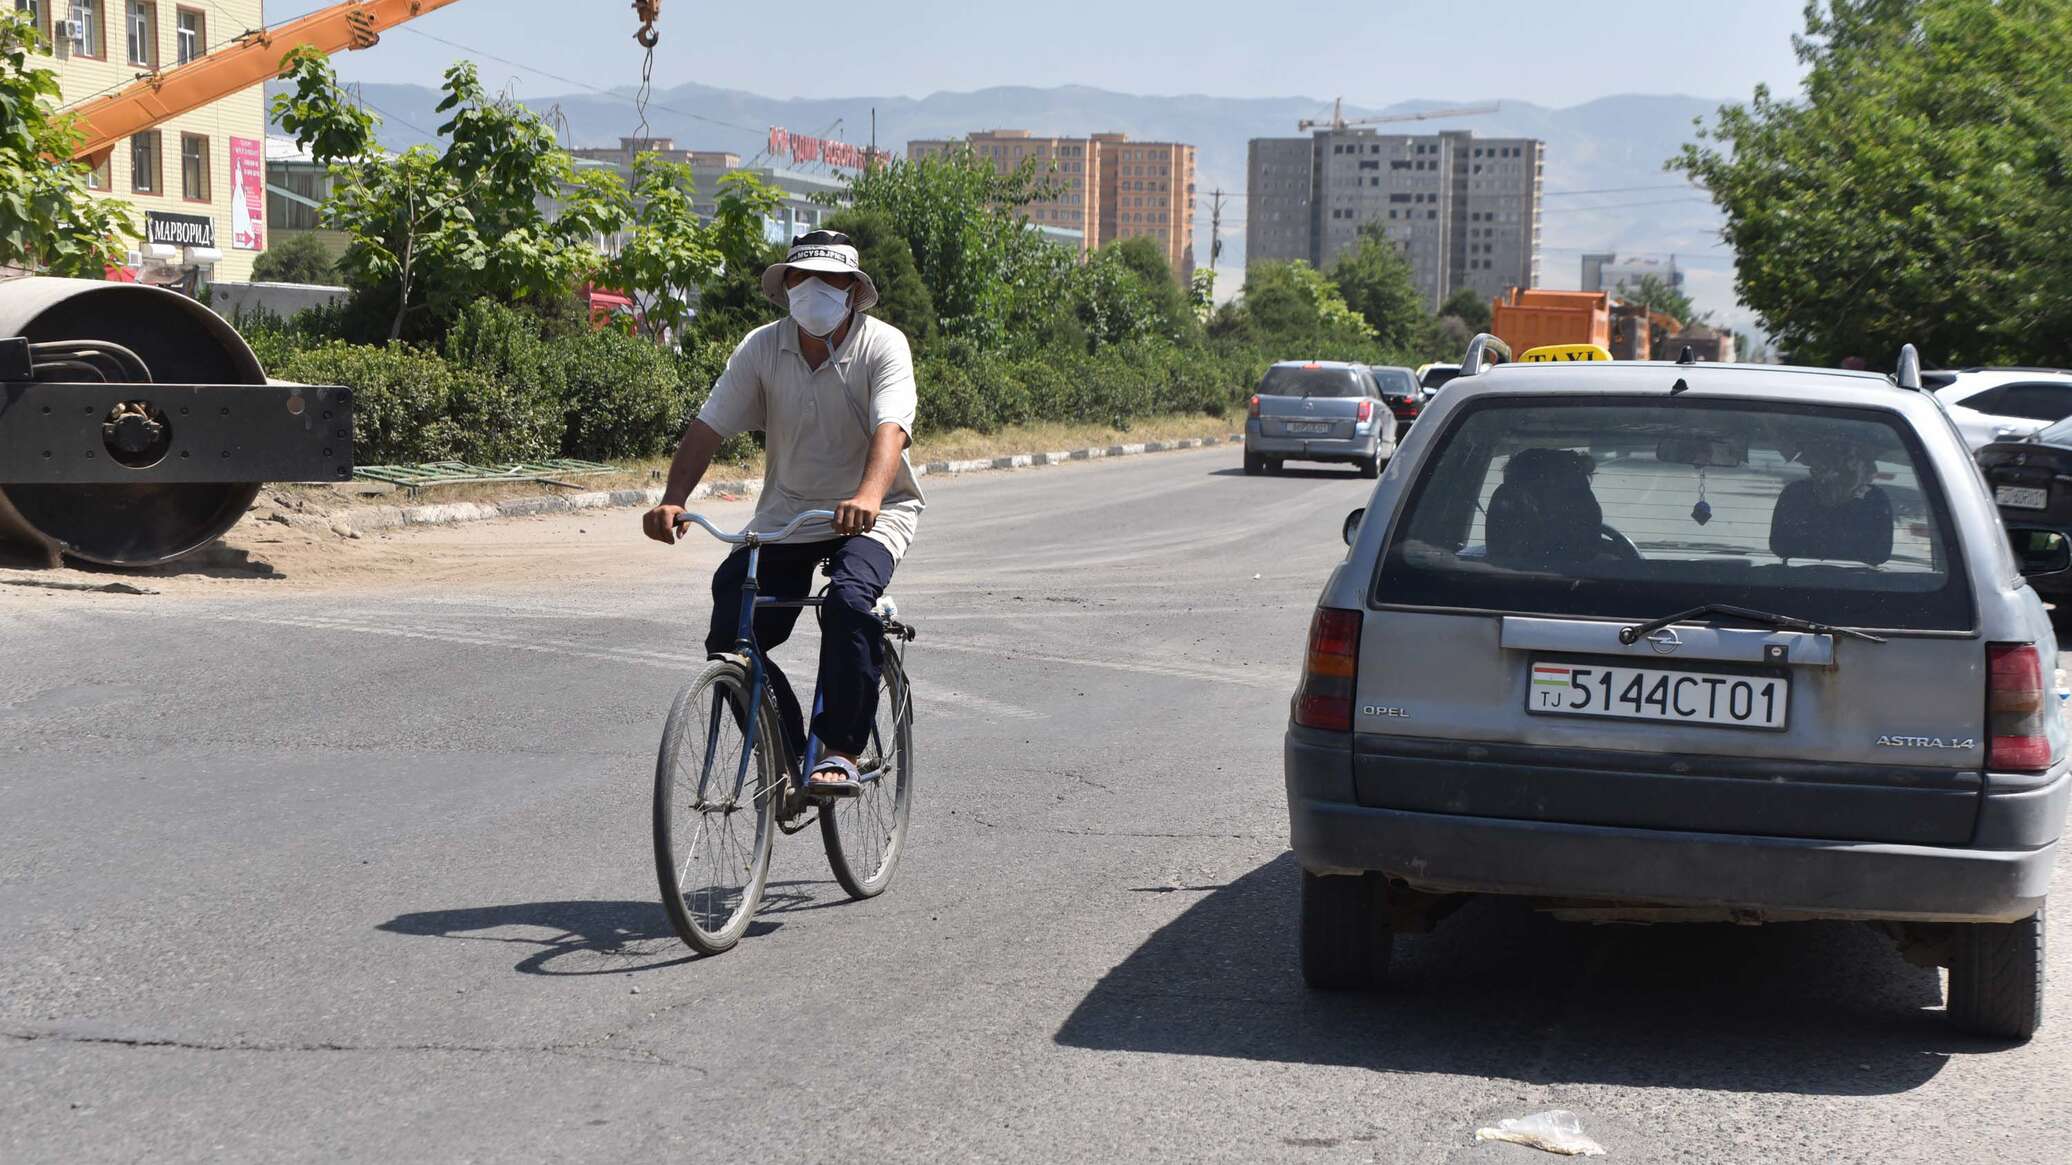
[[1215, 226]]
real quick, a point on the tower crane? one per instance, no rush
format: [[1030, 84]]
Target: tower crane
[[1340, 121], [249, 59]]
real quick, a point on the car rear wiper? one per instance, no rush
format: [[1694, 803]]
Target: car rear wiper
[[1633, 634]]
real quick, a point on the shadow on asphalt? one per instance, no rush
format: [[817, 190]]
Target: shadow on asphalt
[[1499, 991], [592, 937], [1349, 472]]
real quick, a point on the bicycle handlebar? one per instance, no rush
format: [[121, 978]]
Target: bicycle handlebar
[[745, 535]]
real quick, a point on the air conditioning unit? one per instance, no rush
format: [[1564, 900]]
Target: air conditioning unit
[[64, 30]]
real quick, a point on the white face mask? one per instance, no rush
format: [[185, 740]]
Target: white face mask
[[818, 308]]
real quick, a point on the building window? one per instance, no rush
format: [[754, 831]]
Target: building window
[[191, 30], [144, 175], [143, 33], [100, 171], [194, 167], [87, 33], [35, 10]]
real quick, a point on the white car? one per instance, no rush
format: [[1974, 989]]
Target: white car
[[2003, 404]]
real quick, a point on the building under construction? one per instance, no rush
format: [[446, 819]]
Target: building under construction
[[1465, 211]]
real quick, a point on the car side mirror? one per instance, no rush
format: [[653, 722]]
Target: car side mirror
[[1352, 525], [2040, 552]]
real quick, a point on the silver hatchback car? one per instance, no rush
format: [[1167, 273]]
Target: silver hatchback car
[[1698, 643], [1319, 410]]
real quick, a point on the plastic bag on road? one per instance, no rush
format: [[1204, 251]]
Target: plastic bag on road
[[1556, 1131]]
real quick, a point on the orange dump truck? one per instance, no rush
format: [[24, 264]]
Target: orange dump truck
[[1532, 317]]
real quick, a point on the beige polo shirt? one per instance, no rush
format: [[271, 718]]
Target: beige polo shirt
[[817, 424]]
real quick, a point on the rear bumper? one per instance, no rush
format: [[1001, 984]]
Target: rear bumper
[[1313, 449], [1791, 877]]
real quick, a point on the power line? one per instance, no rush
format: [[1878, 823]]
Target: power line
[[1622, 190], [578, 84], [1626, 205]]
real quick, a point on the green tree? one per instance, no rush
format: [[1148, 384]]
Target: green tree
[[295, 259], [970, 241], [1917, 190], [1470, 307], [434, 230], [1375, 281], [1289, 310], [49, 221], [669, 253], [903, 299]]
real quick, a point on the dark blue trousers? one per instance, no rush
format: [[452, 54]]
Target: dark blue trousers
[[852, 641]]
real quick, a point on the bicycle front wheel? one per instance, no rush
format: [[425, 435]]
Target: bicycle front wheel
[[714, 801], [865, 834]]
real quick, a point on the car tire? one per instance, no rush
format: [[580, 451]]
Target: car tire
[[1254, 465], [1273, 466], [1996, 978], [1370, 467], [1346, 939]]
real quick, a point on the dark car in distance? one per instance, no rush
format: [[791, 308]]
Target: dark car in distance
[[2031, 480], [1400, 391]]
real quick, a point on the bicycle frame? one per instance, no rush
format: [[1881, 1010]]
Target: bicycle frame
[[752, 600]]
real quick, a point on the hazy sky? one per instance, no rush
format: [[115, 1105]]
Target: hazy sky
[[1550, 52]]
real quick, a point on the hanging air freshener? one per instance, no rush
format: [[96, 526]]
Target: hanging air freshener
[[1702, 512]]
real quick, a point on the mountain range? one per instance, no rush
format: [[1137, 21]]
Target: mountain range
[[1606, 189]]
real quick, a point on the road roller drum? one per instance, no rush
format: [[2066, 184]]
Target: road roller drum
[[136, 426]]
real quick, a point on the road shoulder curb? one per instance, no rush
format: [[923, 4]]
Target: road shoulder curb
[[371, 519]]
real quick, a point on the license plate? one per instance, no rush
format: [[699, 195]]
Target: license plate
[[1309, 426], [2022, 497], [1653, 693]]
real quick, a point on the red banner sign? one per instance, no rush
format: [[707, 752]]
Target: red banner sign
[[800, 148], [247, 194]]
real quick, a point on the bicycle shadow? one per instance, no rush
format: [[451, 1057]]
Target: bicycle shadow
[[1499, 991], [591, 937]]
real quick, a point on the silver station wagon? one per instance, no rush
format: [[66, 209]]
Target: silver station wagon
[[1658, 642]]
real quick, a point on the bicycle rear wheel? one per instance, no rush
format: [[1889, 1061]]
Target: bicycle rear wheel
[[713, 815], [865, 834]]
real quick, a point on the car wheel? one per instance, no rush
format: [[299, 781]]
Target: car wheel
[[1254, 464], [1274, 465], [1345, 934], [1996, 978], [1370, 466]]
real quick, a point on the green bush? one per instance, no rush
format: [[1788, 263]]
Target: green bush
[[411, 405], [624, 398]]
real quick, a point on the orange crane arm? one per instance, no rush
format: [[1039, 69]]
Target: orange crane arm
[[249, 60]]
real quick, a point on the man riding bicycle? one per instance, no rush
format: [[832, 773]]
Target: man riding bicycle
[[832, 390]]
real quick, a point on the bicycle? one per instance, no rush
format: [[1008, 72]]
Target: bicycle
[[726, 764]]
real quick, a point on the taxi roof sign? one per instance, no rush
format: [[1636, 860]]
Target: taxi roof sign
[[1560, 353]]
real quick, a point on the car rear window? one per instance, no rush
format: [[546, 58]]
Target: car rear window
[[1434, 377], [1396, 383], [1640, 507], [1296, 380]]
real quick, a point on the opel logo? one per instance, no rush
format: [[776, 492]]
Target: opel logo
[[1665, 641], [1308, 404]]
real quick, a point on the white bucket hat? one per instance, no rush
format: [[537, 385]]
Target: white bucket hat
[[825, 251]]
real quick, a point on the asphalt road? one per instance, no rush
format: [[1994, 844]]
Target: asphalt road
[[356, 866]]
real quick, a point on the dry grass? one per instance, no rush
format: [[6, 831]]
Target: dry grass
[[961, 444]]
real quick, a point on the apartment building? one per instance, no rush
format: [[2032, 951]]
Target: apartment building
[[1107, 186], [197, 181], [1611, 271], [1464, 211]]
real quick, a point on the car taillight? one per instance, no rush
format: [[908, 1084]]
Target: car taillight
[[2016, 704], [1253, 410], [1366, 410], [1325, 699]]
